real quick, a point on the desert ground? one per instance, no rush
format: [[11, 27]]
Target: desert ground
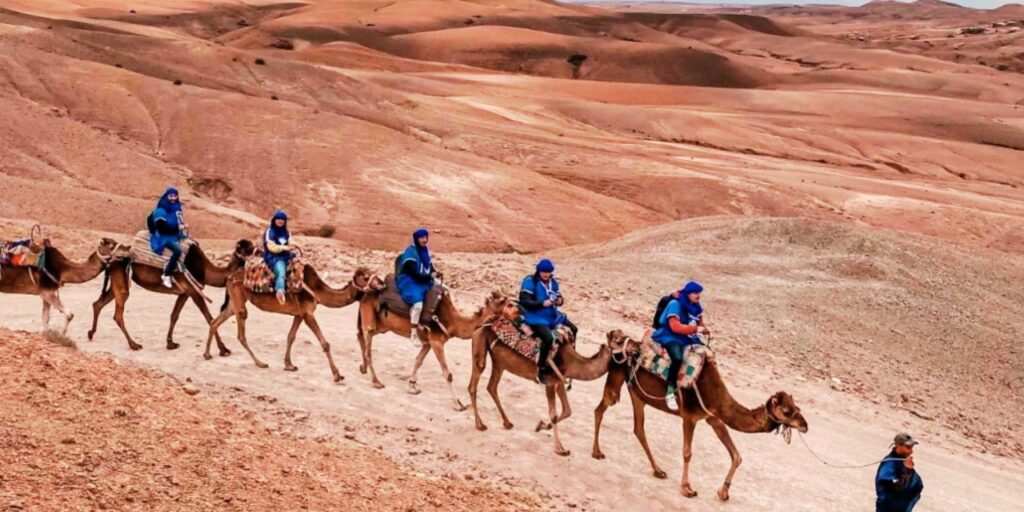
[[845, 182]]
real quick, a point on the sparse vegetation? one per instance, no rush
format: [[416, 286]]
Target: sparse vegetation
[[326, 231], [576, 60], [59, 338], [260, 62]]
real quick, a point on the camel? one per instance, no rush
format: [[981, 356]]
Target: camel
[[567, 361], [300, 305], [373, 321], [59, 271], [714, 405], [119, 275]]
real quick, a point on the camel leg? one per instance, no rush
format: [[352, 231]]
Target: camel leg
[[51, 298], [723, 435], [684, 486], [97, 307], [368, 359], [553, 415], [474, 381], [179, 302], [119, 301], [438, 347], [241, 338], [361, 339], [315, 327], [288, 366], [492, 389], [46, 312], [608, 399], [563, 397], [641, 433], [420, 357], [200, 303]]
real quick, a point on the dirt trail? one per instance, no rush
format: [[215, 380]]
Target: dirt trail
[[423, 430]]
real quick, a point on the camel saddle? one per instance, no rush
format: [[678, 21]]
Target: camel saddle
[[529, 346], [391, 299], [258, 277], [25, 252], [654, 358], [141, 252]]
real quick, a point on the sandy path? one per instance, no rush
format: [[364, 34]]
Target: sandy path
[[773, 477]]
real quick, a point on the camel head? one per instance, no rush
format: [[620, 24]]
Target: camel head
[[111, 249], [620, 343], [495, 304], [784, 410], [362, 278], [244, 248]]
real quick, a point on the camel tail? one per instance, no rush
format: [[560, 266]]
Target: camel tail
[[227, 299], [106, 282]]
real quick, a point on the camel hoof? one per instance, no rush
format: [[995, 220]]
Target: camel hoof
[[413, 390], [89, 335], [362, 369], [207, 356], [339, 377], [597, 455], [688, 492], [135, 346], [459, 407], [562, 453], [225, 352], [291, 368], [508, 425], [481, 427], [262, 365], [378, 384], [723, 494], [658, 473], [172, 345]]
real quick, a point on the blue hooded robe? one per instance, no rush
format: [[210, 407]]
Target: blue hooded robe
[[171, 214], [280, 236], [414, 287]]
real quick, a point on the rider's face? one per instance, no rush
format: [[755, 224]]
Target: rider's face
[[694, 297], [279, 223], [423, 240], [546, 276], [173, 198]]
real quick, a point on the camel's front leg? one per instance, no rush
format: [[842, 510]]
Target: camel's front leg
[[200, 303], [563, 397], [315, 327], [723, 435], [684, 486], [641, 433], [179, 303], [46, 312], [438, 346], [612, 386], [288, 366], [492, 389], [424, 350], [52, 298], [97, 307], [553, 415]]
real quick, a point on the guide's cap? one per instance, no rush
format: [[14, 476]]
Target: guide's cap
[[904, 439]]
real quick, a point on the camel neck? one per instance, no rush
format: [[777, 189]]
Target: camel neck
[[459, 325], [215, 275], [585, 368], [721, 403], [71, 272], [329, 296]]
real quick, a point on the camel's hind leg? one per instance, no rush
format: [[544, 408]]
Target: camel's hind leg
[[479, 364], [566, 409], [612, 386], [200, 303], [553, 414], [179, 302], [684, 486], [641, 433], [417, 363], [315, 327], [288, 366], [438, 345], [51, 298], [97, 307], [723, 435]]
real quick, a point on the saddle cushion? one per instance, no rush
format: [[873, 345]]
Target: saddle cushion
[[391, 298], [529, 346], [655, 359], [258, 277], [142, 253], [21, 253]]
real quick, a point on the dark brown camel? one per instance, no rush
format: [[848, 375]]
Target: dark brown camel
[[59, 271], [569, 363], [301, 306], [373, 321], [116, 288], [722, 412]]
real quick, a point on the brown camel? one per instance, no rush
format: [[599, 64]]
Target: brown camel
[[300, 305], [373, 321], [117, 282], [59, 271], [722, 413], [568, 362]]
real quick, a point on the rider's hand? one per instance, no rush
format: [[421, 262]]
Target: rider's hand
[[705, 331], [559, 301], [909, 462], [547, 303]]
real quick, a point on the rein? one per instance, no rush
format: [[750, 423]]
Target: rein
[[845, 466]]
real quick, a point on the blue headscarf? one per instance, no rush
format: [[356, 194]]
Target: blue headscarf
[[545, 265], [423, 251], [277, 233], [166, 205], [694, 308]]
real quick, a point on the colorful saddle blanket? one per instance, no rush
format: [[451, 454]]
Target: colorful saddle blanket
[[655, 359], [142, 253], [22, 253], [529, 346], [258, 277]]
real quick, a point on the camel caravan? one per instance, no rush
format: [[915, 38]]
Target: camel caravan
[[671, 368]]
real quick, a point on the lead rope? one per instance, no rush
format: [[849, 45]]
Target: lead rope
[[844, 466]]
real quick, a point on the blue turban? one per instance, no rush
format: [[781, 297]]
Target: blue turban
[[545, 265]]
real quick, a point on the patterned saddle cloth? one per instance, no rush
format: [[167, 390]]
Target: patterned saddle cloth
[[529, 346], [24, 252], [142, 253], [655, 359], [258, 277]]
